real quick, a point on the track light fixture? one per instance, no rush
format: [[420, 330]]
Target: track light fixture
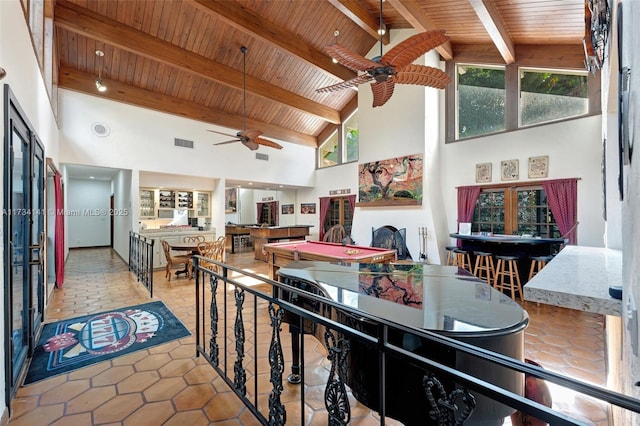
[[101, 87]]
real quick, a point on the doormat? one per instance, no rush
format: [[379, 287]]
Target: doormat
[[74, 343]]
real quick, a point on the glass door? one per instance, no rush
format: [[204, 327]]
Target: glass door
[[23, 242], [36, 245], [18, 232]]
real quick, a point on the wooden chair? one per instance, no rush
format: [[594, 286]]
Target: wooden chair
[[213, 250], [174, 260], [193, 239], [335, 234]]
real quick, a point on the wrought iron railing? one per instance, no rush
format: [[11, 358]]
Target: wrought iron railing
[[141, 259], [239, 331]]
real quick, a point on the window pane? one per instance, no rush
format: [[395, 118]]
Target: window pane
[[351, 138], [328, 152], [534, 215], [546, 96], [481, 101]]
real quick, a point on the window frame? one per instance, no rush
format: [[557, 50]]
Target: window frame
[[510, 222], [329, 132], [512, 98]]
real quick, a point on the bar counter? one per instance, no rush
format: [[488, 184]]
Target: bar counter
[[579, 278]]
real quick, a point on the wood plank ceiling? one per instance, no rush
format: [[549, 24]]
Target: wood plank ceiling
[[183, 56]]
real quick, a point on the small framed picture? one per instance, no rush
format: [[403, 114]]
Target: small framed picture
[[538, 166], [483, 172], [509, 170], [287, 209], [308, 208]]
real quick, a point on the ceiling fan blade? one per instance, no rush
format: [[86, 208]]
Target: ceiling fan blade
[[350, 59], [266, 142], [226, 142], [250, 134], [364, 78], [412, 48], [382, 91], [250, 144], [220, 133], [423, 75]]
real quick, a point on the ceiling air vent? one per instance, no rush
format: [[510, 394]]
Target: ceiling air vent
[[260, 156], [183, 142]]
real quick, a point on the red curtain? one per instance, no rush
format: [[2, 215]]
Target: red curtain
[[467, 197], [59, 230], [274, 209], [259, 215], [562, 195], [325, 202]]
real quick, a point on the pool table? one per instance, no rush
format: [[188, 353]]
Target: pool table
[[281, 254]]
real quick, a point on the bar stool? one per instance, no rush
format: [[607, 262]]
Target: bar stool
[[537, 263], [507, 267], [463, 259], [484, 268], [451, 256]]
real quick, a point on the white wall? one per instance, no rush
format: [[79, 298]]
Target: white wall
[[23, 75], [122, 213], [144, 140], [88, 212]]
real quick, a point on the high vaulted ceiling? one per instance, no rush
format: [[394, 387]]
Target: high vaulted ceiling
[[183, 56]]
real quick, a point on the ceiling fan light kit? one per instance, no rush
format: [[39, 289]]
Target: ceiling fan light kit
[[249, 137], [99, 85]]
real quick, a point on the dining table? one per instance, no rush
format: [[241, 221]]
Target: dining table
[[191, 247]]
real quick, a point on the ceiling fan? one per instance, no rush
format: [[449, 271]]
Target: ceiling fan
[[249, 137], [395, 66]]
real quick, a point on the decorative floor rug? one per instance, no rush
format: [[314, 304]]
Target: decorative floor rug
[[74, 343]]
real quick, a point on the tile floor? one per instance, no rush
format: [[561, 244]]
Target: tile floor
[[168, 385]]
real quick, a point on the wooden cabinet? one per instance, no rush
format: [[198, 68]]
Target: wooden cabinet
[[160, 203], [203, 204], [147, 203], [166, 199]]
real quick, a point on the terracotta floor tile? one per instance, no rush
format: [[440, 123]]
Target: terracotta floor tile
[[91, 399], [117, 408]]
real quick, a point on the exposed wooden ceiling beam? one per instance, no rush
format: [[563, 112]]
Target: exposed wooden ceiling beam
[[362, 18], [249, 22], [561, 56], [493, 23], [85, 83], [93, 25], [413, 13]]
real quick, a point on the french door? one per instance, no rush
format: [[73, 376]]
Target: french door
[[23, 225]]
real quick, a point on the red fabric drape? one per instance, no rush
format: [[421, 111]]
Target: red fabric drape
[[259, 215], [274, 210], [59, 230], [467, 197], [324, 209], [562, 195]]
